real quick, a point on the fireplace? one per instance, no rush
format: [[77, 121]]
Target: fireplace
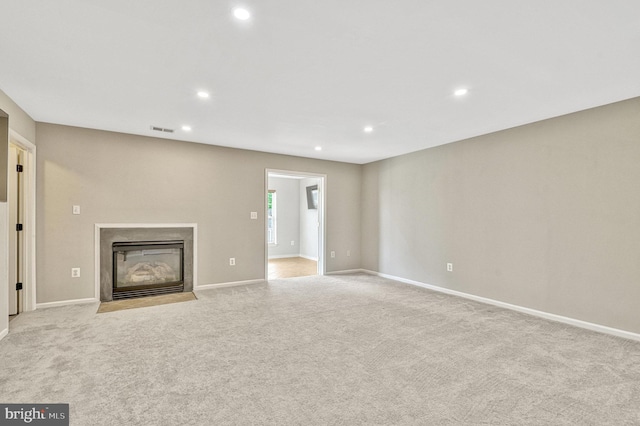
[[144, 260], [146, 268]]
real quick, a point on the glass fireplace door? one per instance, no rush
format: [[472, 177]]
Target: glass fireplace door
[[147, 264]]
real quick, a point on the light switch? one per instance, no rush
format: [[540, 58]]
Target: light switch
[[254, 215], [76, 209]]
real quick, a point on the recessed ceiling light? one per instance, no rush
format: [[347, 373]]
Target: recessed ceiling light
[[203, 95], [241, 14], [368, 129], [186, 128], [461, 92], [318, 148]]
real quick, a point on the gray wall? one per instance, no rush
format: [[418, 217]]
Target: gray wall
[[20, 121], [308, 222], [125, 178], [287, 217], [545, 216]]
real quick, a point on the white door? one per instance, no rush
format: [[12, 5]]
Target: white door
[[16, 219]]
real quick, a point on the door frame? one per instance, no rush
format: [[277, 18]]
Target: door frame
[[322, 209], [29, 204]]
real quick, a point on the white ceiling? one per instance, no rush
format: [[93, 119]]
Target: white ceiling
[[307, 73]]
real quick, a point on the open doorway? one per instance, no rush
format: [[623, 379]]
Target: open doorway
[[294, 235]]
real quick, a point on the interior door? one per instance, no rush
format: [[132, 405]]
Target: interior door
[[16, 219]]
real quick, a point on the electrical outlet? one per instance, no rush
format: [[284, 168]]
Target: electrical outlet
[[232, 261], [76, 210], [75, 272], [254, 215], [333, 254], [450, 267]]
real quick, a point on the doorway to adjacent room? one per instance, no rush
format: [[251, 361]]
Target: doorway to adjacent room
[[294, 234]]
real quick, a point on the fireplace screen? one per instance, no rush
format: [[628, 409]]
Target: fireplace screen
[[147, 267]]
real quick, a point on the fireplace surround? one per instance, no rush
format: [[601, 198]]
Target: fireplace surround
[[141, 260]]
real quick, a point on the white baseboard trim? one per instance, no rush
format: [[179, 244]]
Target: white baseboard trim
[[4, 333], [284, 256], [65, 303], [229, 284], [315, 259], [541, 314], [349, 271]]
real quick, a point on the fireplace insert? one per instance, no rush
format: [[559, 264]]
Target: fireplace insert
[[146, 268]]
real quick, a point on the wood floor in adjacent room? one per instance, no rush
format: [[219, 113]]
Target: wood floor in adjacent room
[[291, 267]]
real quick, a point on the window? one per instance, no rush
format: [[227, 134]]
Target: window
[[271, 217]]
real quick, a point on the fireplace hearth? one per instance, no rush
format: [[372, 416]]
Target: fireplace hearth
[[147, 268]]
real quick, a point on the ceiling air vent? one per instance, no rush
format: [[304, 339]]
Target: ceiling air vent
[[162, 129]]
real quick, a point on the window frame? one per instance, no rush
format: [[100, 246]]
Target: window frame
[[272, 215]]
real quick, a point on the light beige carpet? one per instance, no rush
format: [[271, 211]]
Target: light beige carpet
[[142, 302], [341, 350]]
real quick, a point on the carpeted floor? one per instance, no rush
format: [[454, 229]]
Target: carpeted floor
[[333, 350]]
